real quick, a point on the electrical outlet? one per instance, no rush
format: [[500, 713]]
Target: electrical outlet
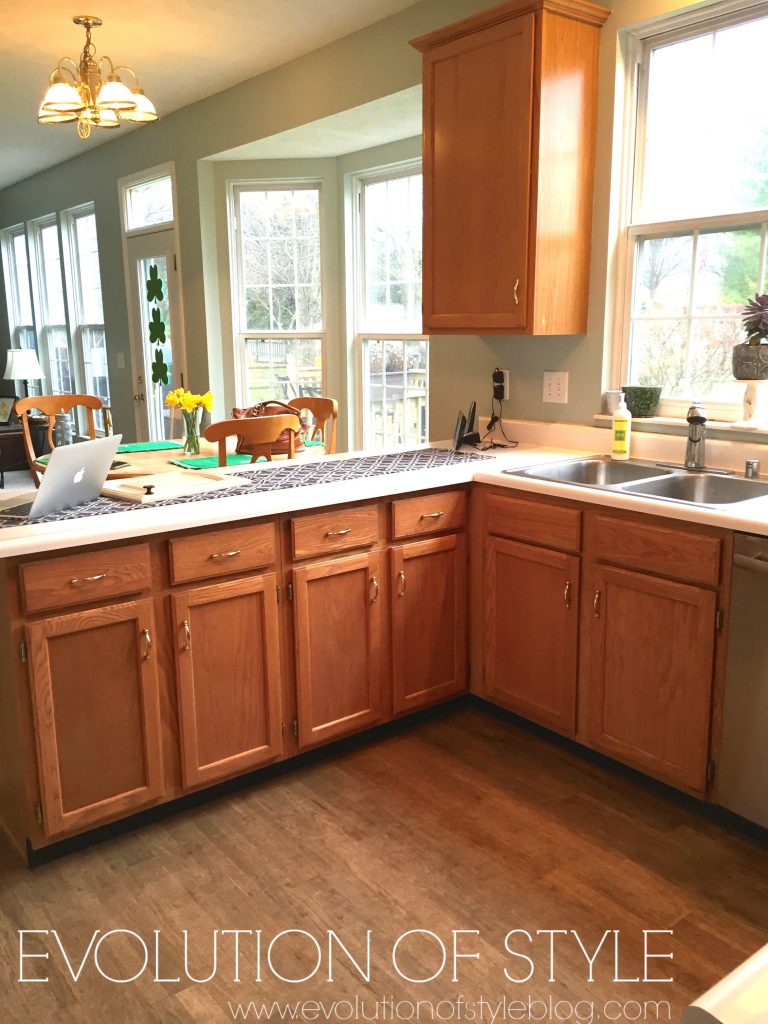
[[500, 384], [556, 387]]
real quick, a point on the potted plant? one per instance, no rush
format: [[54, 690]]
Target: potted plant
[[750, 359]]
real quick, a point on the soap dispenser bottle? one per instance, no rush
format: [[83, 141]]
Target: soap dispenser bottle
[[622, 428]]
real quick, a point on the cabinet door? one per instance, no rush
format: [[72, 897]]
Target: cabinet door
[[531, 622], [478, 102], [429, 619], [230, 690], [96, 704], [652, 666], [338, 646]]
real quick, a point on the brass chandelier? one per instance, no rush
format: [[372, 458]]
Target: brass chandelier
[[91, 92]]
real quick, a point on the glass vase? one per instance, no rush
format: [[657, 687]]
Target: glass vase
[[192, 431]]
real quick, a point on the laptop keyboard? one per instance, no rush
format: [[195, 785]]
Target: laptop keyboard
[[16, 511]]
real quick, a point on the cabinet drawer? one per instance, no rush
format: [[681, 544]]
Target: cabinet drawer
[[81, 579], [667, 551], [537, 522], [222, 552], [428, 513], [335, 531]]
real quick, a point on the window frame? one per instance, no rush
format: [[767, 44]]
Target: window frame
[[361, 332], [166, 170], [637, 45], [11, 276], [40, 299], [241, 336]]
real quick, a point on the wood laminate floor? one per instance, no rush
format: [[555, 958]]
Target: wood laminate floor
[[464, 822]]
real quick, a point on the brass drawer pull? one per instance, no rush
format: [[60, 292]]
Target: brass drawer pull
[[338, 533], [225, 554], [567, 594], [596, 604], [187, 635], [401, 577], [432, 515], [514, 291], [77, 582], [147, 645], [375, 585]]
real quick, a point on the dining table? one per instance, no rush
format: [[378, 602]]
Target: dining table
[[144, 458]]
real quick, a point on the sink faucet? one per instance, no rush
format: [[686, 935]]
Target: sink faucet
[[697, 433]]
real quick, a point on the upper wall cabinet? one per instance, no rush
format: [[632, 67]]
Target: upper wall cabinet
[[510, 100]]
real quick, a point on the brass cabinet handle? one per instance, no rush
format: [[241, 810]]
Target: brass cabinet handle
[[567, 594], [338, 533], [147, 645], [187, 635], [375, 585], [401, 578], [596, 604], [514, 291], [225, 554], [432, 515], [77, 582]]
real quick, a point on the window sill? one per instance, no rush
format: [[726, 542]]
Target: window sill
[[721, 429]]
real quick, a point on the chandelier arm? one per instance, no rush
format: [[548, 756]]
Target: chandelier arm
[[124, 67], [62, 69], [112, 68]]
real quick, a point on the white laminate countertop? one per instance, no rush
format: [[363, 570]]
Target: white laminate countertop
[[748, 516]]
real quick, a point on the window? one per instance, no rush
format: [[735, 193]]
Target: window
[[696, 240], [86, 311], [53, 292], [279, 306], [393, 352], [21, 321], [149, 203]]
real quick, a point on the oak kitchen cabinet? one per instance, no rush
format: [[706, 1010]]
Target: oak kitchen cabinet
[[645, 682], [97, 731], [510, 100]]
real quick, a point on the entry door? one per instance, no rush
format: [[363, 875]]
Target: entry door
[[156, 335]]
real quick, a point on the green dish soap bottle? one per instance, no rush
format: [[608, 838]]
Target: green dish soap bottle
[[622, 430]]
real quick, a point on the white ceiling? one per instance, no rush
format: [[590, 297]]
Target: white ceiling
[[182, 50], [388, 119]]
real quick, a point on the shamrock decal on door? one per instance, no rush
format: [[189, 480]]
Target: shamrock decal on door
[[157, 328], [154, 285], [157, 335], [159, 369]]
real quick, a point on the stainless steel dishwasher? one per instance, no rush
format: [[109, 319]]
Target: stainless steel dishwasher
[[741, 782]]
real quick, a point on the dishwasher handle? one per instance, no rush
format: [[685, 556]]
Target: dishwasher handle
[[752, 563]]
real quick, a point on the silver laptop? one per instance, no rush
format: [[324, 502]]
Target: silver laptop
[[75, 473]]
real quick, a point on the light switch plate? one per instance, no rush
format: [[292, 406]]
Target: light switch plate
[[555, 387]]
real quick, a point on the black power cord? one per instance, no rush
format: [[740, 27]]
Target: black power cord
[[486, 442]]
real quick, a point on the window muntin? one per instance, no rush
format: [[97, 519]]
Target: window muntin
[[279, 299], [149, 203], [393, 353], [697, 237]]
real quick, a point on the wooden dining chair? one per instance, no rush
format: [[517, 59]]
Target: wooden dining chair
[[258, 432], [49, 405], [326, 413]]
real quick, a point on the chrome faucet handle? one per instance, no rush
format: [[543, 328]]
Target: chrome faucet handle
[[752, 469], [697, 413]]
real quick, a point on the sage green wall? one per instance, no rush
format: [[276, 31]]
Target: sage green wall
[[375, 62]]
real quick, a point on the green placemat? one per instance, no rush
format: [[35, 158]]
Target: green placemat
[[148, 446], [211, 461]]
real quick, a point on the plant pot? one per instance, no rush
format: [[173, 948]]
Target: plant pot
[[750, 362], [642, 400]]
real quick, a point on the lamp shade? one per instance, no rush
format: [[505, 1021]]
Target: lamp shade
[[62, 98], [23, 364], [114, 95], [143, 112], [52, 117]]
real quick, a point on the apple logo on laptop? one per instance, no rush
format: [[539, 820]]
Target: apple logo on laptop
[[77, 478]]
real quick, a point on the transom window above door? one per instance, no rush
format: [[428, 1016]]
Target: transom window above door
[[697, 232], [278, 294]]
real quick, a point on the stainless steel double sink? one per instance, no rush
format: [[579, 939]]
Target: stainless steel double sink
[[650, 480]]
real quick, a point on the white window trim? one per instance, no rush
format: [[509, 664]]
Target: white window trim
[[240, 337], [361, 333], [635, 44], [10, 274]]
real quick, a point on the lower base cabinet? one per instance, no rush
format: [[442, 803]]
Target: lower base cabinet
[[339, 626], [229, 678], [428, 621], [652, 658], [531, 631], [95, 699]]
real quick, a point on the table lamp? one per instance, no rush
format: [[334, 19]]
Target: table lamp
[[23, 364]]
